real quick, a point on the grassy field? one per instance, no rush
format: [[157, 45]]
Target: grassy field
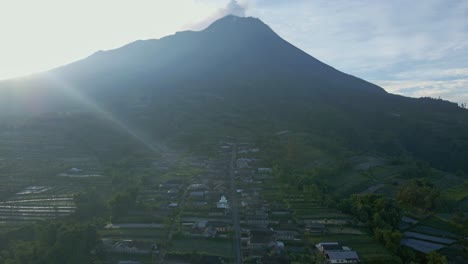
[[456, 193]]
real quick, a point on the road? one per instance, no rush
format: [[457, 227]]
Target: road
[[234, 208]]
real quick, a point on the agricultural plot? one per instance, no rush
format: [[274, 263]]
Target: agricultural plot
[[434, 239], [312, 213], [28, 199], [429, 235], [433, 231], [216, 247], [437, 227], [422, 246], [456, 193], [29, 207], [30, 188]]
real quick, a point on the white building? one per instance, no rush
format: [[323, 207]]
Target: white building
[[223, 203]]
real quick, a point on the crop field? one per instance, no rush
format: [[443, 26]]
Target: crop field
[[310, 209], [438, 223], [456, 193], [420, 245], [434, 239], [32, 182], [432, 231], [217, 247]]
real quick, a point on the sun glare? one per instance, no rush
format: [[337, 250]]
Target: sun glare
[[40, 35]]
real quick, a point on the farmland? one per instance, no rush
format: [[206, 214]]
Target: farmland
[[172, 209]]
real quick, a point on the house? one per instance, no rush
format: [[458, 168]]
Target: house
[[197, 195], [200, 225], [261, 212], [217, 212], [173, 205], [223, 203], [264, 170], [261, 238], [75, 170], [196, 186], [210, 232], [280, 212], [315, 228], [324, 246], [335, 253], [286, 234], [257, 220], [341, 256], [245, 238], [198, 204], [171, 184], [219, 226], [134, 247]]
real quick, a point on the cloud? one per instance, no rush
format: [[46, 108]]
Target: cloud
[[434, 74], [232, 8], [406, 41], [449, 84], [452, 90]]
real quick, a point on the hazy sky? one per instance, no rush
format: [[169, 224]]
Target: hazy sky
[[416, 48]]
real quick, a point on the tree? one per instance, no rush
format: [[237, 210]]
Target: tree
[[58, 242], [89, 204], [419, 193], [122, 201], [435, 258]]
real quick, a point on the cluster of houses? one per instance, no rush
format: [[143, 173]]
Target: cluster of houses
[[204, 207], [268, 227], [265, 227]]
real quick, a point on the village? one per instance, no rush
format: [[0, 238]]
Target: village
[[230, 213], [224, 208]]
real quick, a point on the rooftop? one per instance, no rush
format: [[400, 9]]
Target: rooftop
[[342, 254]]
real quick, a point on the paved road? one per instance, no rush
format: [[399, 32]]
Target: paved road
[[234, 208]]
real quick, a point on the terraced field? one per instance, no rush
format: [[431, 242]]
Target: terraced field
[[430, 234], [32, 182]]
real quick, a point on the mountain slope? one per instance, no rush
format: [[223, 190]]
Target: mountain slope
[[238, 76]]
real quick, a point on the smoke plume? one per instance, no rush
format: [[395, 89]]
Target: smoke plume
[[232, 8]]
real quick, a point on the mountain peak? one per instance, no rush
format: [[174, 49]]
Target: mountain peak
[[232, 22]]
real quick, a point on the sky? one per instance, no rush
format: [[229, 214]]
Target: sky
[[414, 48]]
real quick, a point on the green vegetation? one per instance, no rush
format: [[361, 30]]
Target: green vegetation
[[217, 247], [57, 242], [456, 193], [89, 204], [420, 194], [122, 201]]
